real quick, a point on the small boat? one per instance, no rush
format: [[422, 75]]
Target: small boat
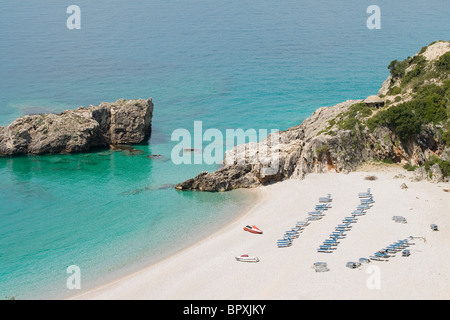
[[253, 229], [247, 258]]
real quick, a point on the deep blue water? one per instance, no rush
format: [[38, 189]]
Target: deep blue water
[[230, 64]]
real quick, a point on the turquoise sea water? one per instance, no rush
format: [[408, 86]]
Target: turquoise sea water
[[230, 64]]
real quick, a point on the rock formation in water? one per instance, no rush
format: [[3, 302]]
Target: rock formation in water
[[80, 130], [410, 127]]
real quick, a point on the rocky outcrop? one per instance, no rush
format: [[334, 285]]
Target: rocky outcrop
[[337, 139], [300, 150], [80, 130]]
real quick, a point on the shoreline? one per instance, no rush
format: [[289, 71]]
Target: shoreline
[[135, 271], [285, 273]]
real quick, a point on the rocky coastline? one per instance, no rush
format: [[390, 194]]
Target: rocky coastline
[[342, 137]]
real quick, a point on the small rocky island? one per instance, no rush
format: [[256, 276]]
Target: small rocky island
[[80, 130], [407, 123]]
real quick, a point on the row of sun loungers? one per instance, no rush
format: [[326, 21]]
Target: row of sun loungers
[[391, 250], [381, 255], [317, 214], [292, 234], [385, 253], [330, 244]]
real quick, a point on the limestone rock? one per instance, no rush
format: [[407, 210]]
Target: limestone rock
[[420, 174], [122, 122], [309, 148], [436, 173]]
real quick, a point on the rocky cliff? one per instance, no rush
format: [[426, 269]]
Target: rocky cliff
[[411, 128], [121, 122]]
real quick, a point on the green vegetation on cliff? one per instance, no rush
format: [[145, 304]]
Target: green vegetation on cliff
[[352, 118], [430, 104], [443, 165], [422, 96]]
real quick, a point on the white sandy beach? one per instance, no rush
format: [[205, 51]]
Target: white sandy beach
[[208, 269]]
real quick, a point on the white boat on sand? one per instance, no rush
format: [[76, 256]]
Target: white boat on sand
[[247, 258]]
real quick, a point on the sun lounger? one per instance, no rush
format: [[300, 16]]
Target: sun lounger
[[332, 241], [399, 219], [326, 199], [320, 264], [325, 247], [291, 234], [323, 206], [353, 265], [365, 193], [321, 267], [401, 244], [302, 223], [381, 255], [336, 237], [393, 248], [283, 243], [364, 260], [376, 258]]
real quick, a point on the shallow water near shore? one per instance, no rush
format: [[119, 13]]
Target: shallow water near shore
[[230, 65], [100, 211]]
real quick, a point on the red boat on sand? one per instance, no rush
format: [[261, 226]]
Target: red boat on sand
[[253, 229]]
